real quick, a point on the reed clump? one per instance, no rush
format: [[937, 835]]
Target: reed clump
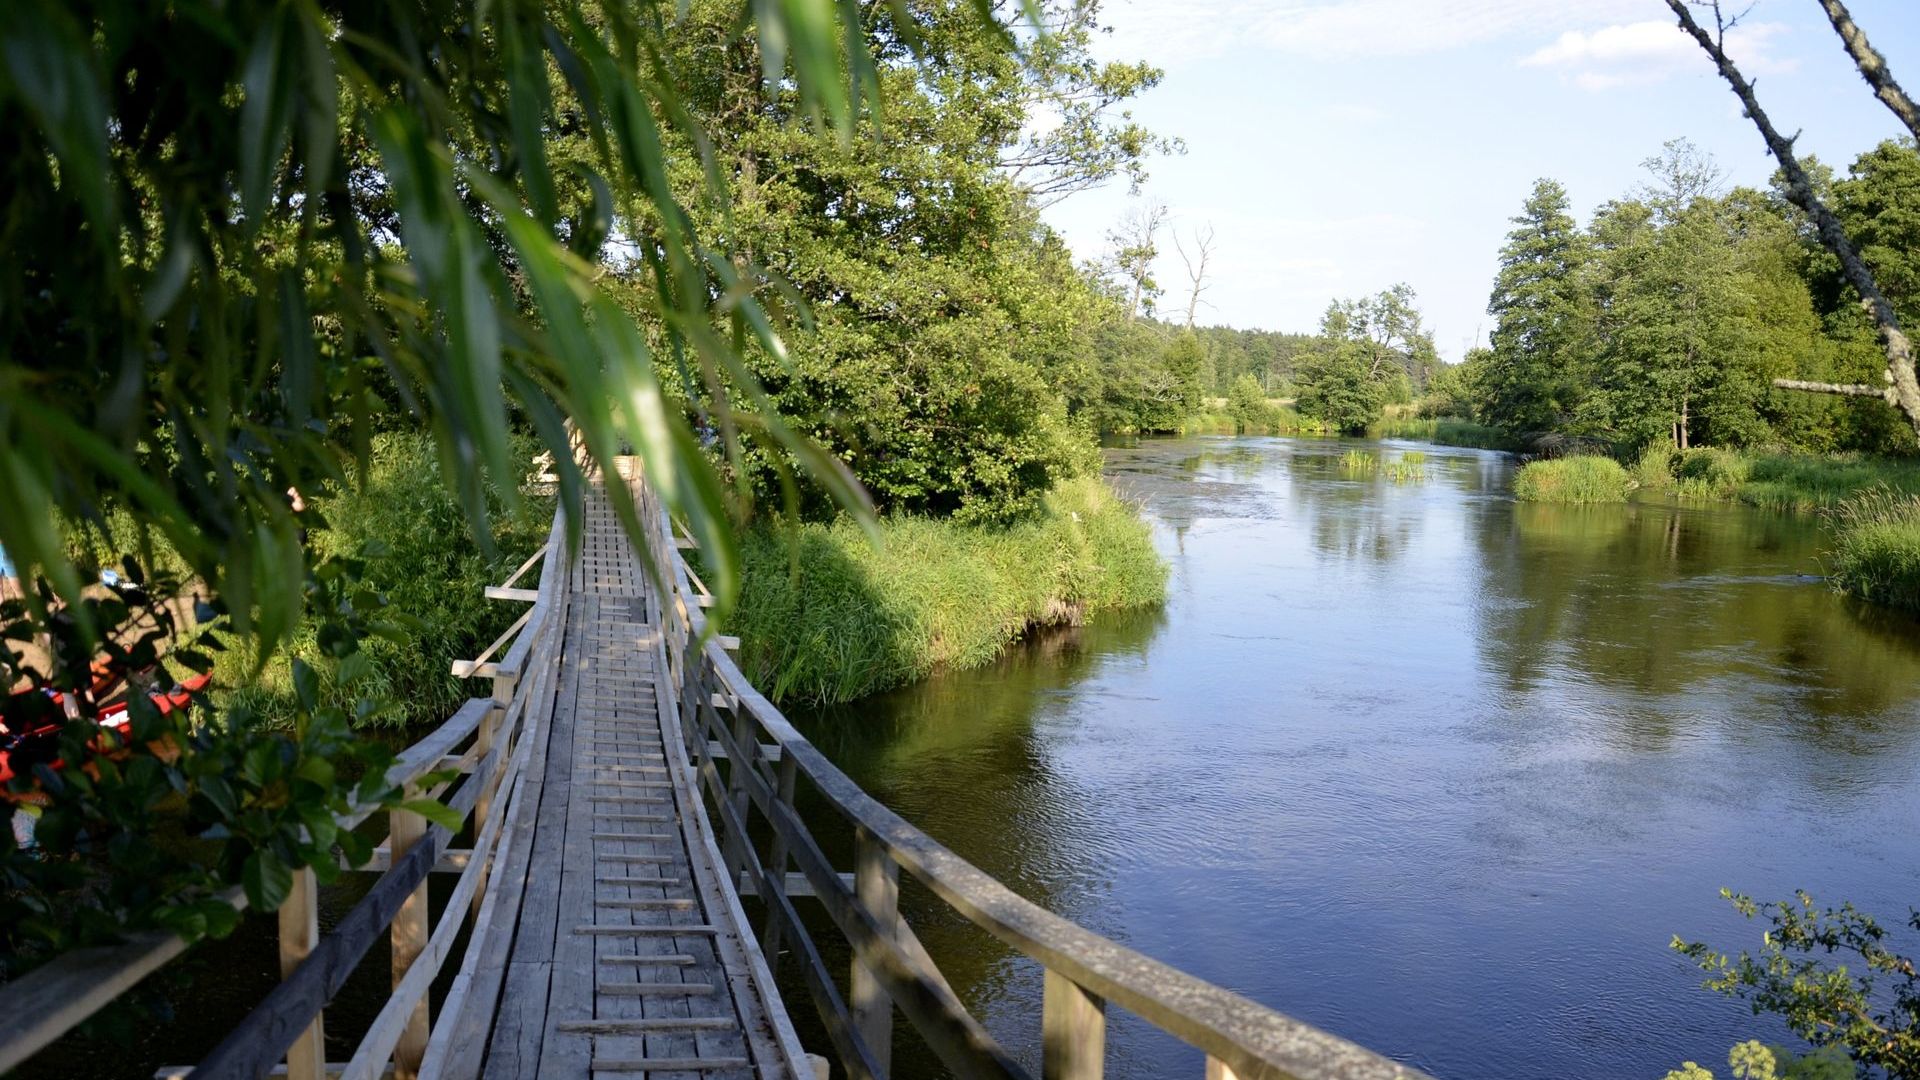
[[827, 616], [1582, 478]]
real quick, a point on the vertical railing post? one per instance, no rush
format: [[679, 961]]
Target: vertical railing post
[[299, 935], [1220, 1070], [746, 747], [1073, 1031], [876, 886], [410, 931], [788, 771], [487, 763]]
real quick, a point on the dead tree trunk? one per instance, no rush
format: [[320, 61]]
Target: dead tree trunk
[[1902, 389]]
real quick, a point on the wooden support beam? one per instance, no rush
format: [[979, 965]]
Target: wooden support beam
[[299, 919], [501, 592], [877, 885], [409, 935], [1073, 1031], [1220, 1070]]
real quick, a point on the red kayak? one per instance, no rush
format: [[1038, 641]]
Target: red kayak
[[40, 744]]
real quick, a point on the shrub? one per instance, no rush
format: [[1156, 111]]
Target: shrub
[[1653, 469], [1709, 472], [1876, 552], [1444, 430], [1583, 478], [826, 616], [404, 522]]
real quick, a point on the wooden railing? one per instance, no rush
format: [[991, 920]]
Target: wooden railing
[[751, 763], [485, 747]]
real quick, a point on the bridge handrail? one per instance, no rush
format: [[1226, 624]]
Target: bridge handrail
[[1083, 970]]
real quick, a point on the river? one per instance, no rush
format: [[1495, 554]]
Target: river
[[1434, 770]]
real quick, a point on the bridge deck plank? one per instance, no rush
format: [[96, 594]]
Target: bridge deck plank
[[600, 862]]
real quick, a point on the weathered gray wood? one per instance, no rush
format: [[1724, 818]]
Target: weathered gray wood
[[409, 939], [877, 885], [299, 919], [641, 1026], [1073, 1031], [668, 1064]]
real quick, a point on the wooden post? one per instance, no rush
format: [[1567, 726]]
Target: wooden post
[[876, 886], [410, 931], [299, 934], [747, 743], [1220, 1070], [789, 772], [503, 688], [1073, 1031]]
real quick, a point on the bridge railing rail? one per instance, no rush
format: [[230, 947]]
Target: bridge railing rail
[[752, 762]]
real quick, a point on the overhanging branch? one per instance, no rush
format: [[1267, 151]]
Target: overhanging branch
[[1884, 393]]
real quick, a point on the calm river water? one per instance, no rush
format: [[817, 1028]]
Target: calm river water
[[1431, 769]]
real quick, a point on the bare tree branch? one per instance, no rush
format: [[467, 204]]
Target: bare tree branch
[[1884, 393], [1196, 267], [1873, 66], [1904, 388]]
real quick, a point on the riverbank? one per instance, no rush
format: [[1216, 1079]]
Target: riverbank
[[826, 616], [1872, 505]]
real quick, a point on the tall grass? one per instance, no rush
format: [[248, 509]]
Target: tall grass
[[1444, 430], [1359, 463], [1278, 419], [825, 616], [419, 554], [1876, 552], [1804, 482], [1584, 478]]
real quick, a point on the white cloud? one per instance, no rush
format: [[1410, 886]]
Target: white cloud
[[1628, 54], [1170, 31]]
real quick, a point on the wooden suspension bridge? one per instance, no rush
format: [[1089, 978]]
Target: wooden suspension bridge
[[623, 788]]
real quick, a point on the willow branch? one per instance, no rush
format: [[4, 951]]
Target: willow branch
[[1899, 349], [1873, 66], [1884, 393]]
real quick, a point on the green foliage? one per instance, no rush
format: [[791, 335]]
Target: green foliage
[[1543, 317], [1337, 387], [1871, 1013], [402, 521], [1582, 478], [1876, 548], [143, 830], [1247, 404], [942, 370], [1754, 1060], [1443, 430], [1359, 463], [1708, 472], [1667, 318], [1653, 469], [829, 616], [1803, 482]]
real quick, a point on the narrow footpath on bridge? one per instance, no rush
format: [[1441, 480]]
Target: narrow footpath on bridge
[[641, 959]]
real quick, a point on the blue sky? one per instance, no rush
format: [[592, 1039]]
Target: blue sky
[[1339, 147]]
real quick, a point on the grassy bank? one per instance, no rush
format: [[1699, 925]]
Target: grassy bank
[[826, 616], [1799, 483], [1444, 431], [1876, 551], [1275, 419], [1583, 478]]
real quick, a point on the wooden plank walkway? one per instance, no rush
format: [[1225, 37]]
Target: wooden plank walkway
[[631, 956]]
